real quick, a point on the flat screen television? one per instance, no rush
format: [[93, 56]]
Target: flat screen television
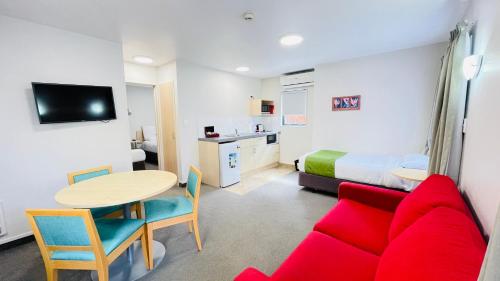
[[60, 103]]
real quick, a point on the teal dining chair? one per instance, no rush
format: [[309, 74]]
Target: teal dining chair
[[167, 211], [108, 212], [72, 239]]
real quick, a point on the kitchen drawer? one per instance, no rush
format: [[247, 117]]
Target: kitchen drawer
[[253, 142]]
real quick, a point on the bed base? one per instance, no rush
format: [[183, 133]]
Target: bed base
[[151, 157], [139, 165], [327, 184], [320, 183]]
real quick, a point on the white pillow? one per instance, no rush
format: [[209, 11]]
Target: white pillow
[[415, 161], [149, 133]]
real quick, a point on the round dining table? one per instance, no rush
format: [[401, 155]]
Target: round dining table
[[123, 188]]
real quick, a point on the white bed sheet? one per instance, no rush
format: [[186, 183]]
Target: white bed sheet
[[150, 146], [370, 169], [138, 155]]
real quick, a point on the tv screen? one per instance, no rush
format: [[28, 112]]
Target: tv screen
[[59, 103]]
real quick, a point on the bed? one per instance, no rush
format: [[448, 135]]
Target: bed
[[138, 159], [150, 144], [325, 169]]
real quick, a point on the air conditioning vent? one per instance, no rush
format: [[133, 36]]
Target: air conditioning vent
[[299, 72], [303, 78], [3, 227]]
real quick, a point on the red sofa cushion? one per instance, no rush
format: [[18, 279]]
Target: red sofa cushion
[[321, 257], [381, 198], [357, 224], [251, 274], [442, 245], [435, 191]]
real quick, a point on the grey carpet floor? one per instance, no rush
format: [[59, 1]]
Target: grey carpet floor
[[258, 229]]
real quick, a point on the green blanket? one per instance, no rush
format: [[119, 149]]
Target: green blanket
[[322, 162]]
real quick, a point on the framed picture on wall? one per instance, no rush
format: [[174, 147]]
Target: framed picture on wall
[[346, 103]]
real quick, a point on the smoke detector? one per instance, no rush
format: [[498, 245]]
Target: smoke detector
[[249, 16]]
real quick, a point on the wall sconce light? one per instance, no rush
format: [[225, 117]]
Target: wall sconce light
[[471, 66]]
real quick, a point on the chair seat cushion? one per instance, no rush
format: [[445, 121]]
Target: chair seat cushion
[[321, 257], [104, 211], [113, 232], [166, 208], [357, 224], [444, 244]]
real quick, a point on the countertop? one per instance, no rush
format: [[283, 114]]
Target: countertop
[[242, 136]]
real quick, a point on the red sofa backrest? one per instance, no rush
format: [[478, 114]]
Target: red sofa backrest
[[444, 244], [435, 191]]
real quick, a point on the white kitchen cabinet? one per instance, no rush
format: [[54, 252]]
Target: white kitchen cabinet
[[270, 155], [257, 154], [260, 107], [247, 159]]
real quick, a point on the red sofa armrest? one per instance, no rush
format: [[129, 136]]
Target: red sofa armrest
[[381, 198], [251, 274]]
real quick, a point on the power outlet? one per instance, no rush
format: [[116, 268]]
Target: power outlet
[[3, 227]]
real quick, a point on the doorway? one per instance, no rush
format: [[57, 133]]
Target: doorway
[[143, 127]]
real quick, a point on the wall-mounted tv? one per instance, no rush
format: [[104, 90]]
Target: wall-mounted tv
[[60, 103]]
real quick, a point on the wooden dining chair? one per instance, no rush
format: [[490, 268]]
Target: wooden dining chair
[[108, 212], [71, 239], [167, 211]]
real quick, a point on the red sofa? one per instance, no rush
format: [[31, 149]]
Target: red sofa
[[387, 235]]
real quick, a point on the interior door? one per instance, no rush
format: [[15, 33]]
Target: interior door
[[166, 113]]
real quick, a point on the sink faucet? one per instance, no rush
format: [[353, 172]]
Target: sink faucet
[[236, 131]]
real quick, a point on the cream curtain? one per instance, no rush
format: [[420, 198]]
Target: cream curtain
[[444, 142]]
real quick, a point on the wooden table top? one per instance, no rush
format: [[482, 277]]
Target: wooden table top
[[116, 189], [410, 174]]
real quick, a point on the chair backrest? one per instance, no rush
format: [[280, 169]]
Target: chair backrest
[[194, 185], [65, 230], [78, 176]]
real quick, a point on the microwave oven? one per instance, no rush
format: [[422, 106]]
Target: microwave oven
[[267, 108]]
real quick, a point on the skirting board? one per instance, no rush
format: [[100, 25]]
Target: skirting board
[[16, 240], [286, 165]]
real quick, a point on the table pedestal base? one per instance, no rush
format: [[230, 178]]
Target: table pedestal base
[[122, 270]]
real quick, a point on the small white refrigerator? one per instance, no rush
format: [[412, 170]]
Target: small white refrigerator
[[229, 163]]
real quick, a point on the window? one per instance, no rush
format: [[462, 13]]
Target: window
[[293, 107]]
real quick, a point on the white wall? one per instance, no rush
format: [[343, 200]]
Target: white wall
[[141, 103], [481, 154], [140, 74], [294, 140], [210, 97], [397, 92], [36, 158], [167, 73]]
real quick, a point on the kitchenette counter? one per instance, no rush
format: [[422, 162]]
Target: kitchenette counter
[[224, 159], [242, 136]]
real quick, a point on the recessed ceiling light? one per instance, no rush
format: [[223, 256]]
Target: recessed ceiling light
[[143, 59], [291, 40], [243, 69]]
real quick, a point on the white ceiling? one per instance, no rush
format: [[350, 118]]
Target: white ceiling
[[213, 33]]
